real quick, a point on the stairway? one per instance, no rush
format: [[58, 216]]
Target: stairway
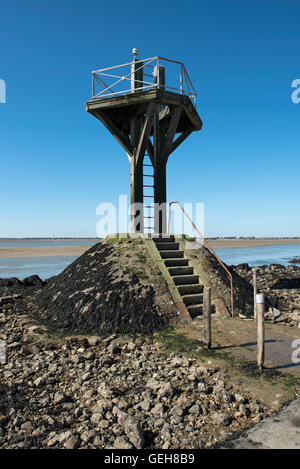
[[188, 284]]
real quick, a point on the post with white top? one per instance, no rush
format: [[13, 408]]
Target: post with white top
[[260, 306]]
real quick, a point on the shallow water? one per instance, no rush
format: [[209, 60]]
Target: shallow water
[[14, 243], [44, 267], [277, 254], [47, 267]]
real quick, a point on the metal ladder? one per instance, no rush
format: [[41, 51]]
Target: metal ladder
[[148, 197]]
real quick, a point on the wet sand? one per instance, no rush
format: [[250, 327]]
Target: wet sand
[[49, 251]]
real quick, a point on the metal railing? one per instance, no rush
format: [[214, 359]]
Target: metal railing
[[118, 78], [205, 243]]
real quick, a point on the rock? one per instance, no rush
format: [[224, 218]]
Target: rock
[[27, 427], [72, 443], [131, 346], [134, 433], [3, 419], [59, 398], [152, 383], [36, 329], [122, 443], [158, 409], [195, 410], [87, 435], [64, 436], [33, 281], [96, 418], [106, 360], [202, 387], [93, 341], [243, 266], [114, 348], [166, 390], [145, 405], [177, 410], [89, 355], [244, 410], [131, 428], [39, 382], [239, 398], [104, 424], [295, 316], [220, 418], [10, 282]]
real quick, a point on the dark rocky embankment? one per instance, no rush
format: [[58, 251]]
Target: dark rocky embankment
[[281, 285]]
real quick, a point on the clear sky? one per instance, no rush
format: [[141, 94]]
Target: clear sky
[[58, 162]]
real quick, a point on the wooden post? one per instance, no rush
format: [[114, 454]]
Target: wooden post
[[207, 316], [255, 291], [260, 304]]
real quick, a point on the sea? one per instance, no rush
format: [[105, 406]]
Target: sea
[[44, 267], [47, 267]]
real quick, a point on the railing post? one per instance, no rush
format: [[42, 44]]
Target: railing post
[[207, 316], [181, 80], [93, 85]]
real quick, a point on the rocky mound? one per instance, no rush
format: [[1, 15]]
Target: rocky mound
[[108, 289]]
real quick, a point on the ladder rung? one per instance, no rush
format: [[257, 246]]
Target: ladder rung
[[151, 196], [150, 165], [148, 217], [147, 185], [148, 175]]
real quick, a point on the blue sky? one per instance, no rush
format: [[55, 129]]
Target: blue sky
[[58, 162]]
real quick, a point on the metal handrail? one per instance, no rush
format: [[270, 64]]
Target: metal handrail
[[109, 90], [205, 243]]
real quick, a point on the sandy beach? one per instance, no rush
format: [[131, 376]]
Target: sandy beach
[[53, 251]]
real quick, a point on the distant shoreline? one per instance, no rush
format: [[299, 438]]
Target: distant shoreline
[[58, 251]]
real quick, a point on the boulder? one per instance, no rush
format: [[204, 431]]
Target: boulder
[[33, 281]]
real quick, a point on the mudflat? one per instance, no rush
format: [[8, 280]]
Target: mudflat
[[49, 251], [250, 242], [41, 251]]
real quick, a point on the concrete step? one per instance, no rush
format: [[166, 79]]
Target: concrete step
[[189, 289], [181, 270], [195, 298], [171, 254], [195, 310], [185, 279], [161, 239], [166, 246], [176, 262]]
